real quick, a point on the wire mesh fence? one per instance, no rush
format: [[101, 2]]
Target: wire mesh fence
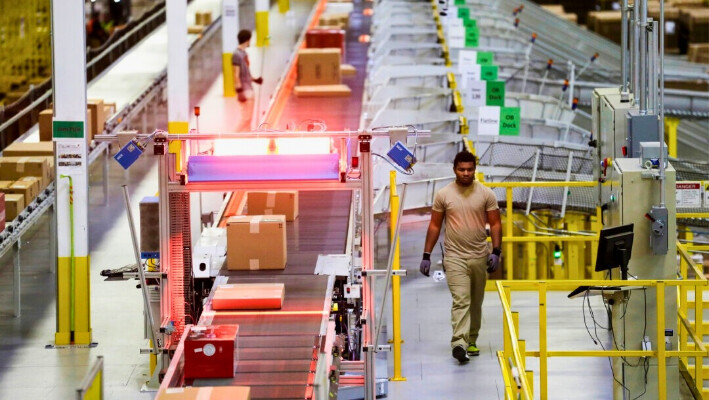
[[544, 163]]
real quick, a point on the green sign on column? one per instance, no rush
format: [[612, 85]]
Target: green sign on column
[[470, 23], [509, 121], [495, 93], [488, 72], [459, 2], [486, 58], [68, 129], [464, 13], [472, 37]]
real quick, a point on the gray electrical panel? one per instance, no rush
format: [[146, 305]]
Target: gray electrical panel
[[641, 128]]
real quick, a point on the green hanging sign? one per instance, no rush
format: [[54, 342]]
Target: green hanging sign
[[459, 2], [470, 23], [495, 93], [509, 121], [488, 72], [485, 58], [464, 13], [472, 37]]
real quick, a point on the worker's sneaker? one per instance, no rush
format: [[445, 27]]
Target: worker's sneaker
[[460, 354], [473, 350]]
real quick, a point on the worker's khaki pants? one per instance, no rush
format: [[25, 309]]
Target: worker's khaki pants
[[466, 281]]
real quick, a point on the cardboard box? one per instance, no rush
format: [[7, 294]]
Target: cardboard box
[[195, 29], [698, 52], [2, 212], [205, 392], [249, 296], [14, 204], [322, 91], [203, 18], [38, 181], [607, 24], [97, 119], [4, 185], [347, 70], [325, 38], [14, 168], [256, 242], [28, 189], [23, 149], [694, 25], [210, 351], [318, 67], [45, 125], [270, 203]]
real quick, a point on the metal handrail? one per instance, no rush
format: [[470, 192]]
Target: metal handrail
[[517, 356], [89, 380]]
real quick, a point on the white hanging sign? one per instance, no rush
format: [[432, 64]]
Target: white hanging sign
[[489, 120]]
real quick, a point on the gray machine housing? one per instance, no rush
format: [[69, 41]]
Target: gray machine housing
[[632, 194]]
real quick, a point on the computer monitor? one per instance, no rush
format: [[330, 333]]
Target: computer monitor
[[614, 247]]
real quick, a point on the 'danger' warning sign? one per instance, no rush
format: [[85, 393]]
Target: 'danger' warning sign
[[688, 194]]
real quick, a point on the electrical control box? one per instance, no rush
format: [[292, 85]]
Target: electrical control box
[[634, 193], [608, 127], [641, 128]]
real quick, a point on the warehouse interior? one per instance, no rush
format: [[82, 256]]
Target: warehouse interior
[[172, 228]]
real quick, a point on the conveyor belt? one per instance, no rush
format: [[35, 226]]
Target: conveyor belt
[[276, 348]]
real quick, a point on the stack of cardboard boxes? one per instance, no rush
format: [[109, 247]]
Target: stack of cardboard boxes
[[25, 170], [320, 66]]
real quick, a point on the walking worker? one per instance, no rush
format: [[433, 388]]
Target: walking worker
[[467, 207], [243, 79]]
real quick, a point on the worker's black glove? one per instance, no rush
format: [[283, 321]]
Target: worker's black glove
[[258, 80], [425, 266], [240, 95], [493, 260]]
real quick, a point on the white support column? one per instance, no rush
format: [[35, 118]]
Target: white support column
[[178, 94], [262, 35], [70, 133], [230, 28]]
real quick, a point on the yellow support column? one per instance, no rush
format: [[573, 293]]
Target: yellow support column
[[596, 226], [230, 29], [283, 6], [573, 265], [661, 360], [671, 124], [543, 339], [509, 231], [395, 281], [699, 330], [531, 252]]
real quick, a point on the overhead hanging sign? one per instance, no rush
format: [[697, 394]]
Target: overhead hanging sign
[[456, 36], [470, 73], [498, 121], [474, 94], [495, 93], [470, 57]]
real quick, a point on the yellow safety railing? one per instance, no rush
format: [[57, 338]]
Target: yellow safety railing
[[691, 330], [516, 352], [576, 244], [92, 385], [395, 282]]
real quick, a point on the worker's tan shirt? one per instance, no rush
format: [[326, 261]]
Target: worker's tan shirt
[[465, 211]]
